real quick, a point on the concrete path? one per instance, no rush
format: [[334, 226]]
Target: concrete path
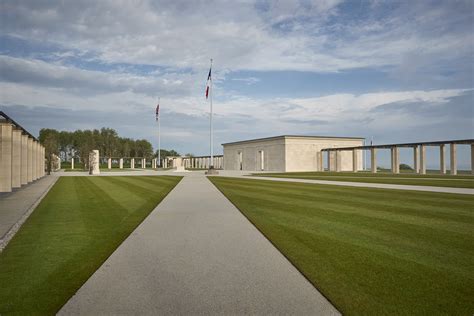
[[197, 254], [15, 205], [372, 185]]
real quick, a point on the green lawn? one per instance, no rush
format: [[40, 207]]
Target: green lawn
[[369, 251], [457, 181], [75, 228]]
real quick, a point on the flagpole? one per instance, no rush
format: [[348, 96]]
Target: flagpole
[[211, 163], [159, 138]]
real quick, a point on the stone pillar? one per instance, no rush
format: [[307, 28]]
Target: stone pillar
[[24, 160], [38, 160], [16, 158], [94, 162], [453, 159], [35, 160], [395, 159], [121, 163], [338, 161], [422, 159], [373, 160], [72, 163], [472, 158], [109, 163], [143, 163], [43, 160], [132, 163], [416, 165], [355, 161], [442, 159], [6, 135], [30, 160]]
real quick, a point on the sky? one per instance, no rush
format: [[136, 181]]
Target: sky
[[391, 71]]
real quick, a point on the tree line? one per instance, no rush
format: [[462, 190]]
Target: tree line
[[80, 143]]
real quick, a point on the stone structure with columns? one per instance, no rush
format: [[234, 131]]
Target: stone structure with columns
[[419, 154], [21, 155], [291, 153]]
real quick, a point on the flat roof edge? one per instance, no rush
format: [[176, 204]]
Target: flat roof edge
[[291, 136]]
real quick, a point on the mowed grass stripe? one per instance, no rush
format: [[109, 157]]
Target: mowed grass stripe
[[461, 181], [363, 254], [79, 223]]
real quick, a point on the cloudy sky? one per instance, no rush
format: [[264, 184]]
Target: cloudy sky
[[397, 71]]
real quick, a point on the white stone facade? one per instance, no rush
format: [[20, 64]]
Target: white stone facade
[[289, 153]]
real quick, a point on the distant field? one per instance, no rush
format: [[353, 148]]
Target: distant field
[[369, 251], [455, 181], [76, 227]]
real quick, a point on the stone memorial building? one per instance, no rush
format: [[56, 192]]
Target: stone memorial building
[[288, 153]]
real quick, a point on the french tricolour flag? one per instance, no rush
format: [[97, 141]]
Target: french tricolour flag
[[157, 111], [208, 82]]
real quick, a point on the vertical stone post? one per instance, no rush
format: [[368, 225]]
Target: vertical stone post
[[442, 159], [38, 160], [422, 159], [132, 163], [472, 158], [24, 160], [373, 160], [121, 163], [109, 163], [30, 160], [16, 158], [395, 153], [94, 162], [320, 161], [355, 161], [34, 166], [43, 160], [6, 135], [416, 165], [453, 159], [72, 163]]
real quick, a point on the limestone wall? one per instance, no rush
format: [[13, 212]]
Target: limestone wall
[[273, 155]]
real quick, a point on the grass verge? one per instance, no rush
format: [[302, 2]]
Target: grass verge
[[458, 181], [370, 251], [74, 229]]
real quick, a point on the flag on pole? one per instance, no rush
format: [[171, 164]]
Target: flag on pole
[[157, 111], [208, 82]]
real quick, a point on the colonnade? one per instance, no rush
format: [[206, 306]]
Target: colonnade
[[203, 162], [419, 156], [21, 156]]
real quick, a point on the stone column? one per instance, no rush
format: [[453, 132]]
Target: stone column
[[373, 160], [121, 163], [416, 165], [355, 161], [30, 160], [16, 158], [338, 161], [43, 160], [472, 158], [38, 160], [6, 135], [395, 159], [109, 163], [34, 165], [24, 160], [422, 159], [132, 163], [442, 159], [94, 162], [72, 163], [143, 163], [453, 159]]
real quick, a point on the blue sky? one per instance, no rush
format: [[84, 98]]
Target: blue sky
[[397, 71]]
